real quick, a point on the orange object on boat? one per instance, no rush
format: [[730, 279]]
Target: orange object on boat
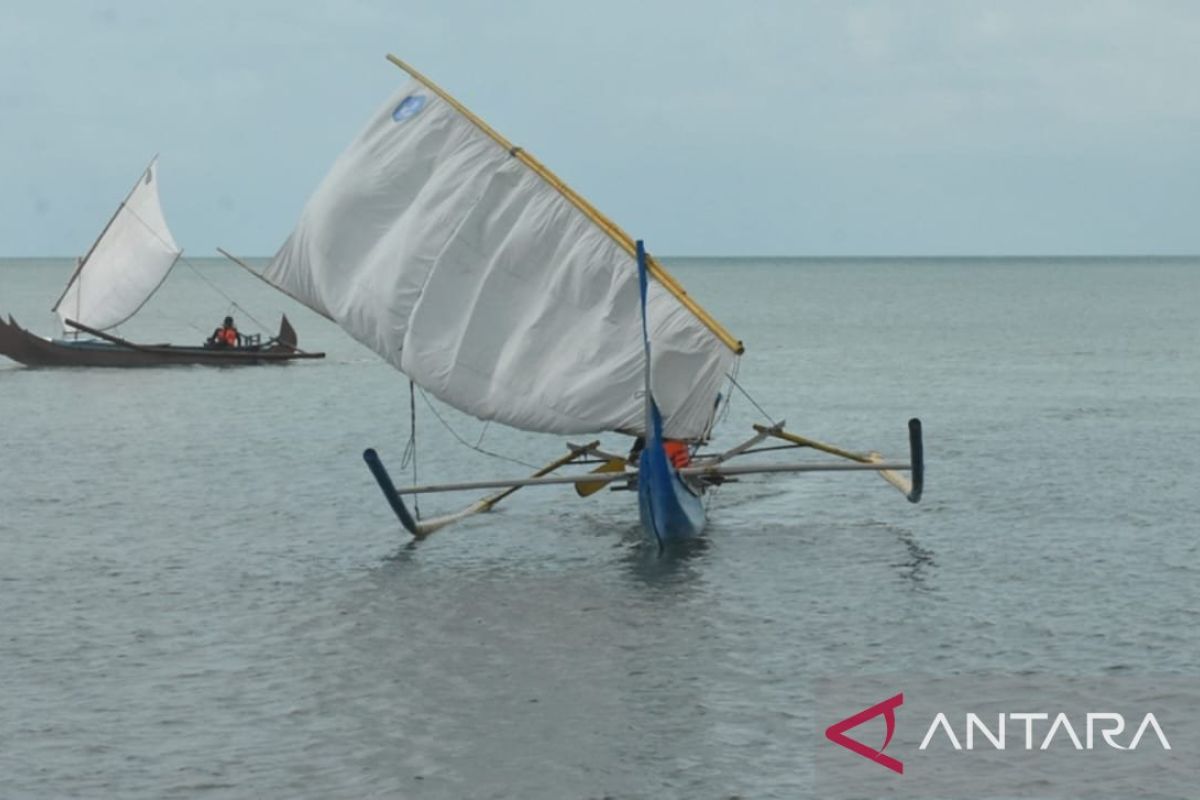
[[677, 452]]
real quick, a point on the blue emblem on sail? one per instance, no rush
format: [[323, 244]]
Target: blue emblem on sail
[[409, 107]]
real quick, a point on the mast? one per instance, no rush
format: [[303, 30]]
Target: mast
[[604, 223], [83, 261]]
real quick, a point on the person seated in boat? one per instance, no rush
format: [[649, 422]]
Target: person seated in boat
[[678, 452], [635, 452], [225, 336]]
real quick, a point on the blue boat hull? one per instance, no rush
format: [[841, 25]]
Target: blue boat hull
[[670, 511]]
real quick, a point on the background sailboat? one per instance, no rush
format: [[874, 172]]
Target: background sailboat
[[126, 264], [121, 271], [467, 265]]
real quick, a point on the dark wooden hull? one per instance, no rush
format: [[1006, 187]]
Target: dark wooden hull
[[35, 351]]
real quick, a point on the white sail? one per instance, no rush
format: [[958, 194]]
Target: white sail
[[127, 263], [434, 245]]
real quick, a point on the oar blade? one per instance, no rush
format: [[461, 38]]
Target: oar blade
[[588, 488]]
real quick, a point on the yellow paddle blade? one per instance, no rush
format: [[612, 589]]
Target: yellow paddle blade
[[586, 488]]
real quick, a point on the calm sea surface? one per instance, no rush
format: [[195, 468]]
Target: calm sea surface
[[203, 594]]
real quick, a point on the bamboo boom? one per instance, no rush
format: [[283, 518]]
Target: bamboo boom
[[904, 485], [604, 223], [813, 443], [108, 337], [576, 452], [424, 527], [763, 433]]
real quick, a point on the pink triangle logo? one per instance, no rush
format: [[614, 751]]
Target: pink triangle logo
[[836, 732]]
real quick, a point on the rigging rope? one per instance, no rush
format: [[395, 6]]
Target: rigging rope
[[467, 444], [410, 450], [487, 424], [195, 269], [217, 289], [723, 412], [750, 397]]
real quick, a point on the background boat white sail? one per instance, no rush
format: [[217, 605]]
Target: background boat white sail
[[492, 285], [127, 263]]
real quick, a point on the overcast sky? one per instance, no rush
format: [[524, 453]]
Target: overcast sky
[[707, 128]]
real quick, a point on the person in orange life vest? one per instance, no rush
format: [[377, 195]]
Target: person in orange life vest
[[225, 336], [677, 452]]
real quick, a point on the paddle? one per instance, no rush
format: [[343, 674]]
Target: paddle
[[589, 488]]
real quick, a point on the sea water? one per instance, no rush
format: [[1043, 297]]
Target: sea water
[[203, 593]]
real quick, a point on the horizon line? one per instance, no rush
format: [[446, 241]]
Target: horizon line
[[781, 256]]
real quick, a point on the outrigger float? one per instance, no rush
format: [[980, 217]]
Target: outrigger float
[[491, 284]]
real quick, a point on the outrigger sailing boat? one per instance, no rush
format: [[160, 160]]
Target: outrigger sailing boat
[[480, 275], [125, 266]]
